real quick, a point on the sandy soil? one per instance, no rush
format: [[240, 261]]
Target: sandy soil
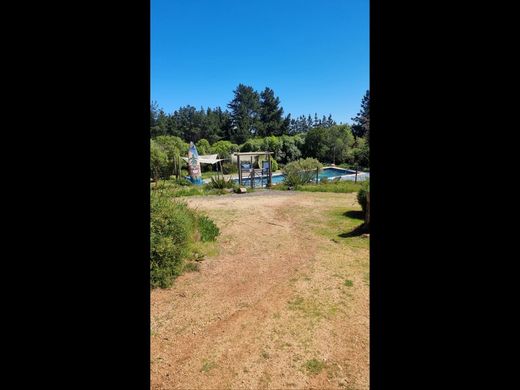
[[283, 305]]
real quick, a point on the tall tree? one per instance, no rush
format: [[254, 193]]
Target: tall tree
[[361, 126], [244, 113], [271, 115]]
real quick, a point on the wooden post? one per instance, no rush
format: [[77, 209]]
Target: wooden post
[[252, 173], [317, 174], [355, 179], [270, 171], [367, 212], [239, 171]]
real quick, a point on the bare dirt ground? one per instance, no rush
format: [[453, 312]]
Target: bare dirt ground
[[283, 305]]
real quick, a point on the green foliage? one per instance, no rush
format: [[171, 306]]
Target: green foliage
[[229, 168], [361, 154], [362, 195], [224, 149], [291, 148], [173, 148], [220, 183], [329, 144], [173, 230], [301, 172], [208, 230], [343, 187], [172, 225], [203, 146], [252, 145], [184, 182], [271, 117], [244, 113], [361, 126], [158, 160]]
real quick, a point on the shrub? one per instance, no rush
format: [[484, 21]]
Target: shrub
[[172, 225], [362, 195], [324, 180], [158, 160], [300, 172], [220, 183], [173, 229], [203, 146], [208, 230], [224, 149]]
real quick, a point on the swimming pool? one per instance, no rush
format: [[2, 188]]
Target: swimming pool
[[329, 173]]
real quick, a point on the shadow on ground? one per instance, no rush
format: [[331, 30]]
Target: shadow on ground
[[357, 231], [354, 214]]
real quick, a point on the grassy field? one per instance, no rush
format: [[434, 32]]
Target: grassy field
[[338, 187]]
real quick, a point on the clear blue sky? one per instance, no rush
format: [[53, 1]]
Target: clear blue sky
[[313, 54]]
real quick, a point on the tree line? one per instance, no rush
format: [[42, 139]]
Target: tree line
[[256, 121]]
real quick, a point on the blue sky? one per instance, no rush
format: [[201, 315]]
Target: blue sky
[[313, 54]]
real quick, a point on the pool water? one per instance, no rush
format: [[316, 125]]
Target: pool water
[[324, 173]]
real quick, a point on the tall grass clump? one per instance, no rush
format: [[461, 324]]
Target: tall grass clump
[[208, 230], [220, 183]]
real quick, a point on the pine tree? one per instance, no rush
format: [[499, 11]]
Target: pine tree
[[271, 115], [361, 126], [244, 114]]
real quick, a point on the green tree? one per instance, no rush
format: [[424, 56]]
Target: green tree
[[158, 161], [203, 146], [329, 144], [174, 147], [271, 115], [272, 144], [224, 149], [244, 114], [361, 126]]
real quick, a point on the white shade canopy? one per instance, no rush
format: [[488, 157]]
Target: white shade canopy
[[207, 159]]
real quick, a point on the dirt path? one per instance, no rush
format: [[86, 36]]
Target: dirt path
[[283, 305]]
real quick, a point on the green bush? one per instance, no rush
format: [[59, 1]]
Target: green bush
[[208, 230], [158, 160], [362, 195], [301, 172], [172, 226], [173, 231]]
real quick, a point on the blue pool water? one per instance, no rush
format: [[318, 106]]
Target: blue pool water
[[326, 172]]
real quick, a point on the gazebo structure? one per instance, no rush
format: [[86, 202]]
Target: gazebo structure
[[246, 170]]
